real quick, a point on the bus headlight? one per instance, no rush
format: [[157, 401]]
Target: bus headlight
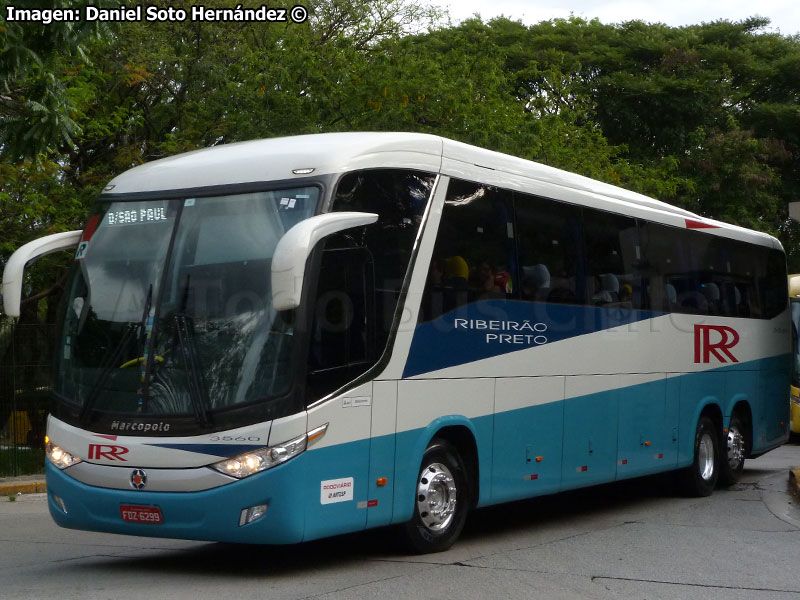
[[60, 457], [256, 461]]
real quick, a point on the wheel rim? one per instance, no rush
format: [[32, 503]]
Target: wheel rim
[[705, 457], [735, 447], [436, 497]]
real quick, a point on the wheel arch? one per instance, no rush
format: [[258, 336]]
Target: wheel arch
[[712, 410], [458, 430], [463, 439], [707, 407]]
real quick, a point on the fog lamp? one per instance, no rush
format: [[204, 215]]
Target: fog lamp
[[254, 513]]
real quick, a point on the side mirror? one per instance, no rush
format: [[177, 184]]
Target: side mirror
[[293, 249], [15, 267]]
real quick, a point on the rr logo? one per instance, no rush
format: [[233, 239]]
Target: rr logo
[[703, 348], [97, 451]]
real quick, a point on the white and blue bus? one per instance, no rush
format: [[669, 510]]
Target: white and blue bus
[[280, 340]]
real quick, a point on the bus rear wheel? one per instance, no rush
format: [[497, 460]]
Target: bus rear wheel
[[701, 477], [442, 500], [732, 463]]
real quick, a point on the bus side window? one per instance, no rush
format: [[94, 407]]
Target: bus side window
[[474, 257], [613, 255], [548, 234], [343, 325], [362, 273]]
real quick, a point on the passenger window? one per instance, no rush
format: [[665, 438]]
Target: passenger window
[[548, 236], [613, 254], [774, 284], [473, 259]]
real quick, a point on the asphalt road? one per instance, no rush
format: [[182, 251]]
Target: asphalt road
[[627, 540]]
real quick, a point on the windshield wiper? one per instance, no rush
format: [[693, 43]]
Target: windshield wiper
[[114, 358], [184, 327]]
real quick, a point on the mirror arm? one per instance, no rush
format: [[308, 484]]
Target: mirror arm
[[15, 267], [294, 248]]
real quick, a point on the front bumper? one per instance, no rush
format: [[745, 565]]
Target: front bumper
[[210, 515]]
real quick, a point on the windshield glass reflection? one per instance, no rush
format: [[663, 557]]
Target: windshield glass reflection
[[201, 336]]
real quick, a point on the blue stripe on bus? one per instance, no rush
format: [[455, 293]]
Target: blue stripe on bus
[[495, 327], [222, 450]]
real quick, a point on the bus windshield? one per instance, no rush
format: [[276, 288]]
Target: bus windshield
[[169, 310]]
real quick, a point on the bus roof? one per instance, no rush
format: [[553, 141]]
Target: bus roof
[[279, 159]]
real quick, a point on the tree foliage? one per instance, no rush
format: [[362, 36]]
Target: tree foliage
[[706, 117]]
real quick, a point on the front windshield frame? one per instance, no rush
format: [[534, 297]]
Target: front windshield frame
[[290, 401]]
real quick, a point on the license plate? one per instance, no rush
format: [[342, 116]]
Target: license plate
[[141, 514]]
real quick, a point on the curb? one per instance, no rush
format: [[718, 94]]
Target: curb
[[794, 481], [27, 487]]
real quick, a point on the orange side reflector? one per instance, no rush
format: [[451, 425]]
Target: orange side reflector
[[382, 481], [647, 443], [539, 458]]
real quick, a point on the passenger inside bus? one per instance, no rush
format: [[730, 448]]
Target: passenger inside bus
[[483, 284]]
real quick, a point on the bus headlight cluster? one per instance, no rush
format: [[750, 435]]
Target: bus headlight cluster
[[60, 457], [256, 461]]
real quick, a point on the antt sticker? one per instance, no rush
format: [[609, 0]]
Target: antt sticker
[[336, 490]]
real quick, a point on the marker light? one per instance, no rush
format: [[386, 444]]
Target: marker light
[[60, 457], [256, 461]]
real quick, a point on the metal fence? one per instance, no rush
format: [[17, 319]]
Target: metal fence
[[25, 372]]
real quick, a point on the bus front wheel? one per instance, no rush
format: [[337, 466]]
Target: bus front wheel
[[700, 478], [441, 502]]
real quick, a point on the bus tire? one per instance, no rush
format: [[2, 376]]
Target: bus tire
[[701, 477], [733, 452], [441, 503]]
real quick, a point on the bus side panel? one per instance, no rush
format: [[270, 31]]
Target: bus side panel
[[645, 435], [336, 496], [424, 407], [382, 454], [773, 418], [672, 408], [336, 490], [698, 390], [590, 430], [528, 428], [741, 386]]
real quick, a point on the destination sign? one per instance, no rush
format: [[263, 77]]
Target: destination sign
[[136, 216]]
